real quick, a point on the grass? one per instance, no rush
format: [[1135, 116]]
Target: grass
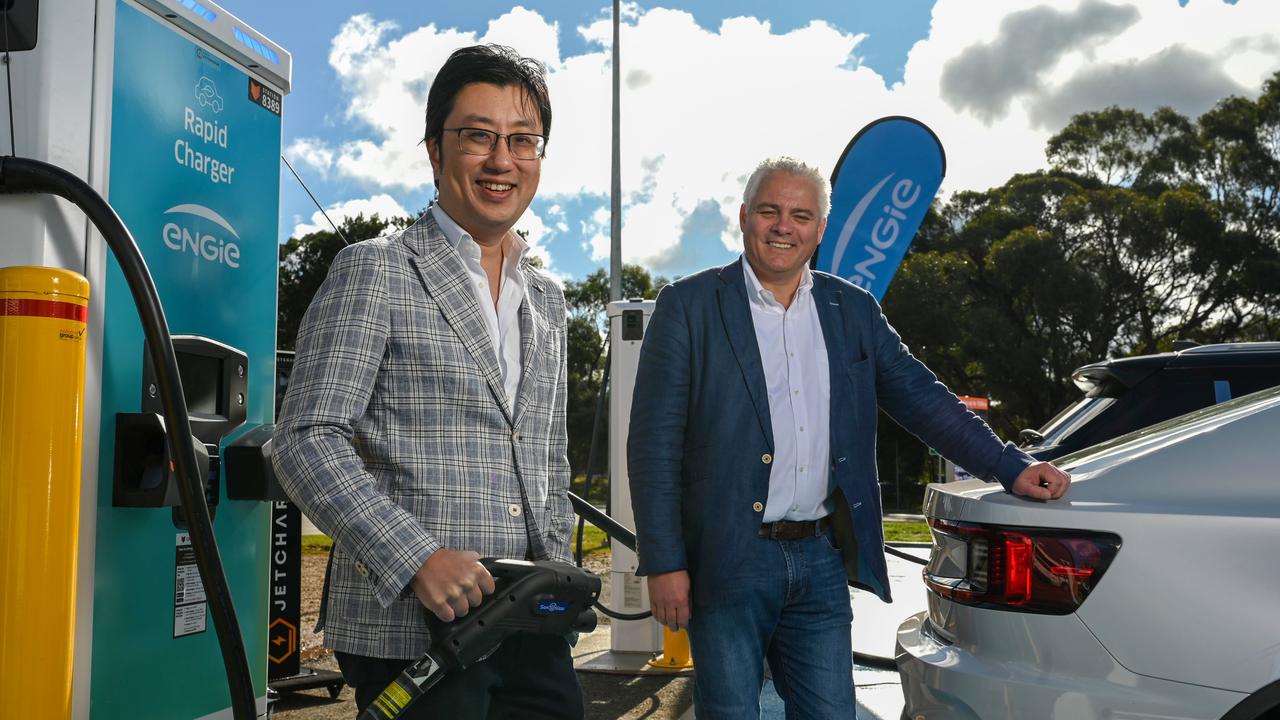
[[593, 539], [906, 532], [316, 544]]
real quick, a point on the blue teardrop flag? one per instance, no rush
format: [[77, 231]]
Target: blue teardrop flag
[[880, 190]]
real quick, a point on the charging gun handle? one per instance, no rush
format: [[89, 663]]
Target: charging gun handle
[[412, 683]]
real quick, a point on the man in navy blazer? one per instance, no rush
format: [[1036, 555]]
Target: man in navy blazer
[[751, 456]]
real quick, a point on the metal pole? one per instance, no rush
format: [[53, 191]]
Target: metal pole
[[615, 225]]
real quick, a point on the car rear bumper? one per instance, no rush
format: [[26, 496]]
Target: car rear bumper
[[1033, 666]]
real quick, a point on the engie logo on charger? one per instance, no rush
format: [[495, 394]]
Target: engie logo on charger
[[188, 236]]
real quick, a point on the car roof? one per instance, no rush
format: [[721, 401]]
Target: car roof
[[1130, 371]]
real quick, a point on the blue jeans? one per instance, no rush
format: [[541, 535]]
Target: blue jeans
[[789, 604]]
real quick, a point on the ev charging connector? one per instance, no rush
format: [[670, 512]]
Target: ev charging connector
[[537, 598]]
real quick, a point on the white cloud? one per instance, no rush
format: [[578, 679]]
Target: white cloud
[[384, 205], [559, 219], [311, 151], [536, 231], [702, 105], [984, 154], [597, 230], [712, 104]]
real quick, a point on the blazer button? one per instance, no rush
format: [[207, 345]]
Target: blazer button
[[360, 568], [758, 506], [766, 458], [514, 510]]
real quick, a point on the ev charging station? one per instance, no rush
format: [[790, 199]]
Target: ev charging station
[[628, 321], [171, 110]]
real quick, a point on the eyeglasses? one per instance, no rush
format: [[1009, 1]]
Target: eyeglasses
[[478, 141]]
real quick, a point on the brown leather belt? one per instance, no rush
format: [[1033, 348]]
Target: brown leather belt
[[794, 529]]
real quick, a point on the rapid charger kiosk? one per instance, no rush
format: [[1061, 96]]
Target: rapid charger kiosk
[[627, 323], [171, 110]]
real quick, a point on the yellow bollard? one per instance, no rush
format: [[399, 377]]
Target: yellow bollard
[[675, 651], [42, 357]]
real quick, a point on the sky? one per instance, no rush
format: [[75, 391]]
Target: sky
[[711, 87]]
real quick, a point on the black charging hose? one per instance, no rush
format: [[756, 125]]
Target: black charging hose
[[26, 176], [905, 556], [616, 531], [594, 515]]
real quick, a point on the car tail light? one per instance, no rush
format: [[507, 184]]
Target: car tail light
[[1026, 569]]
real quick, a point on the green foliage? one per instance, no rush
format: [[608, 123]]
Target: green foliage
[[304, 264], [597, 494], [1146, 229], [587, 302], [590, 297], [586, 367]]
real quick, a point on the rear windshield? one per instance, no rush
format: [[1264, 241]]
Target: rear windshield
[[1072, 419]]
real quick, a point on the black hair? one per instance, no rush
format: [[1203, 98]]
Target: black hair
[[495, 64]]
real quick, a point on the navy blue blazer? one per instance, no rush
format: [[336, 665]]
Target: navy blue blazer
[[701, 438]]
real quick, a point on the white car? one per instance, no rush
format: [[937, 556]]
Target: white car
[[1150, 590]]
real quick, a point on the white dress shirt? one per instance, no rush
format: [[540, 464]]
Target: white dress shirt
[[502, 320], [796, 373]]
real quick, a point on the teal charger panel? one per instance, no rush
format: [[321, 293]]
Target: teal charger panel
[[194, 174]]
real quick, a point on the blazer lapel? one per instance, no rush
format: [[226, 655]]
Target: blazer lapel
[[447, 281], [533, 333], [735, 311]]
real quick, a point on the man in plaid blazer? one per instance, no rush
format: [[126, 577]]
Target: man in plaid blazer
[[424, 426]]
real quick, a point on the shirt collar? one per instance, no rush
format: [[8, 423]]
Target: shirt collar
[[762, 297], [514, 248]]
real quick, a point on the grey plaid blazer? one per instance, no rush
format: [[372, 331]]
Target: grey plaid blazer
[[396, 436]]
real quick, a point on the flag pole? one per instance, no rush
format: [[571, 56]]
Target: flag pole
[[615, 224]]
